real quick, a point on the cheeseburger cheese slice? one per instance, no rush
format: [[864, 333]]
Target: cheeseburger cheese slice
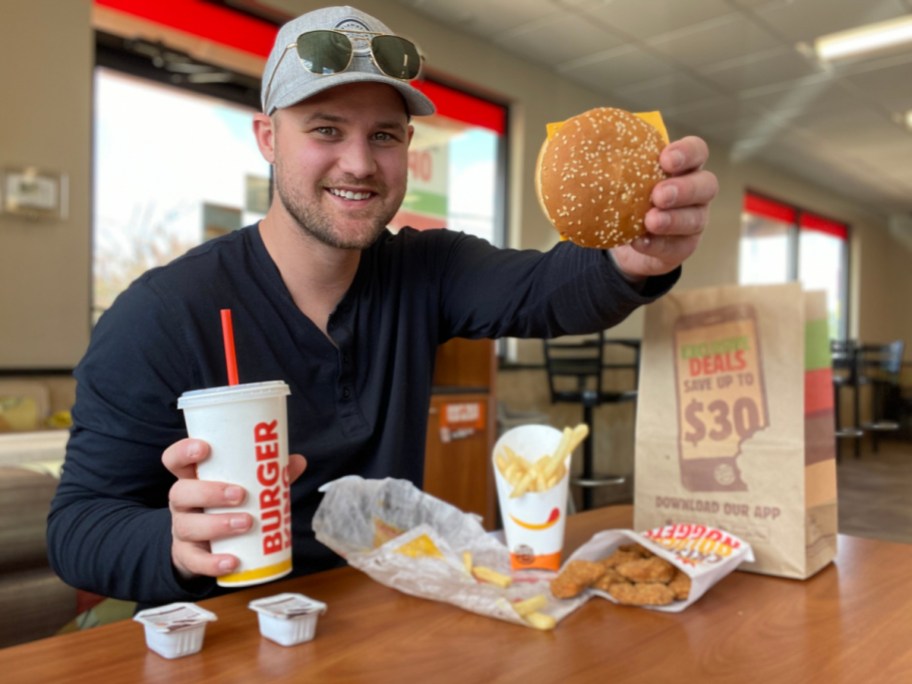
[[595, 174]]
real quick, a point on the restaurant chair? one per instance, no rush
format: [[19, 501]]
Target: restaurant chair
[[879, 367], [844, 354], [575, 368]]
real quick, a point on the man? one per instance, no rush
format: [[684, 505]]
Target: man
[[324, 298]]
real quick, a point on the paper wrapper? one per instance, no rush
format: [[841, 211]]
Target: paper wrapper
[[705, 554], [345, 522]]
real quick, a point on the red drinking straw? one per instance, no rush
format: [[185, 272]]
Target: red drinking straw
[[228, 337]]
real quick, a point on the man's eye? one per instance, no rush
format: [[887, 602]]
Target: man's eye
[[326, 130]]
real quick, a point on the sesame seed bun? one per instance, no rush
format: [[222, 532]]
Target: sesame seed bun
[[595, 175]]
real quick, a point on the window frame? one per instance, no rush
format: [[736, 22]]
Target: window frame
[[797, 218]]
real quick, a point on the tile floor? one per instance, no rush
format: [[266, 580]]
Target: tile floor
[[875, 492]]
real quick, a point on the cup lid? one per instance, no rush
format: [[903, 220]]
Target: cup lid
[[232, 393]]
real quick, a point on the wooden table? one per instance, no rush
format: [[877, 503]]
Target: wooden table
[[849, 623]]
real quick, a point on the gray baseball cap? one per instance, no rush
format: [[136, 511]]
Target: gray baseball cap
[[287, 82]]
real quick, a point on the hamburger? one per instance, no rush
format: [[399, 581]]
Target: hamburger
[[594, 176]]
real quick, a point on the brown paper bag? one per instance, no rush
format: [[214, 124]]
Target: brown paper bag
[[735, 422]]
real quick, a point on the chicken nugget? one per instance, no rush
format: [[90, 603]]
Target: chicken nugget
[[576, 577], [638, 549], [645, 594], [611, 576], [619, 556], [680, 585], [653, 569]]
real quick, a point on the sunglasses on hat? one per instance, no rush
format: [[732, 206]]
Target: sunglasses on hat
[[327, 51]]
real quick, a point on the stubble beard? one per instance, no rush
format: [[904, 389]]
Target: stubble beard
[[317, 224]]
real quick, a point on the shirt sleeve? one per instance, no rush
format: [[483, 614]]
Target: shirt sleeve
[[491, 292], [109, 528]]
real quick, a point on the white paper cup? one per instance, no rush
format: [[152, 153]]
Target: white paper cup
[[533, 522], [246, 427]]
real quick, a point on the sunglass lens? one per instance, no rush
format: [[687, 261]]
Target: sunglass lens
[[324, 52], [396, 56]]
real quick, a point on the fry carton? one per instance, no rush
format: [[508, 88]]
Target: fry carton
[[531, 466]]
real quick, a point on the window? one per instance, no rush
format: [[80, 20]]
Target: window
[[457, 175], [172, 168], [781, 243]]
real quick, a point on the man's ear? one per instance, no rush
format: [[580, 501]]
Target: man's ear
[[264, 131]]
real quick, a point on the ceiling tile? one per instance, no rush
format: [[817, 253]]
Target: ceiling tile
[[746, 128], [759, 69], [857, 127], [714, 41], [644, 19], [852, 117], [881, 84], [612, 69], [817, 93], [555, 41], [665, 92], [485, 18], [788, 149], [804, 20], [711, 111]]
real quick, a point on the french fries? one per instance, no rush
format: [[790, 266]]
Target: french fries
[[485, 574], [467, 561], [540, 620], [530, 611], [544, 473], [530, 605]]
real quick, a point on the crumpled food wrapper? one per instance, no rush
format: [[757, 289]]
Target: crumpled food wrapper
[[706, 554], [346, 522]]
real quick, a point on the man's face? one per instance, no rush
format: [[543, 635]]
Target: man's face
[[341, 162]]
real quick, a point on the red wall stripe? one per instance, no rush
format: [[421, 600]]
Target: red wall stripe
[[820, 224], [461, 106], [767, 208], [777, 211], [213, 22]]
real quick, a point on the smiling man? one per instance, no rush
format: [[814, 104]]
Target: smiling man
[[326, 299]]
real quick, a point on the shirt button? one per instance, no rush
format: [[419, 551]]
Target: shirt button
[[346, 393]]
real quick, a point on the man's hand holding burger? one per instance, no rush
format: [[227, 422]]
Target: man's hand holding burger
[[680, 213]]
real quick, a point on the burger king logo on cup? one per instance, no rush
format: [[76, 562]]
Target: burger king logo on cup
[[246, 429]]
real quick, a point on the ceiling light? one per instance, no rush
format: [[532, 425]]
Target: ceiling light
[[864, 39]]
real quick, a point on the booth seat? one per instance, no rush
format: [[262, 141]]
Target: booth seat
[[34, 602]]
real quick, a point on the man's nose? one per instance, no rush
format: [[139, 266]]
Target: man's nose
[[357, 159]]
